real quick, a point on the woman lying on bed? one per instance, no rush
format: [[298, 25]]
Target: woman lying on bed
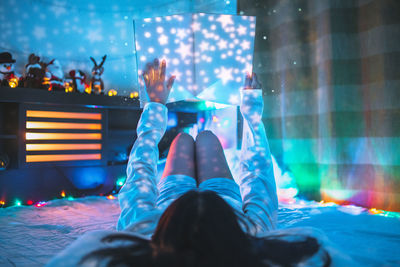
[[197, 215]]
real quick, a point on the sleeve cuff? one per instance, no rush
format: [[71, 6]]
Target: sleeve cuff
[[155, 116], [251, 102], [155, 105]]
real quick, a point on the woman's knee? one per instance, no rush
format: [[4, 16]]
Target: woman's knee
[[210, 158], [183, 139], [206, 137], [180, 159]]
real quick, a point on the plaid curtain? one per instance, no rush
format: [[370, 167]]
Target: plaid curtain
[[331, 76]]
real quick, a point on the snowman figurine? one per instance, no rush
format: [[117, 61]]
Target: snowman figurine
[[7, 75]]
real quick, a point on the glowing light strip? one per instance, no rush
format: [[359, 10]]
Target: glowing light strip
[[62, 115], [62, 125], [48, 158], [63, 136], [45, 147]]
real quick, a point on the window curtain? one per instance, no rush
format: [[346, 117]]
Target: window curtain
[[330, 71]]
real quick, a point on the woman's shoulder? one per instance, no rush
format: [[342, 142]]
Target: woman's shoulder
[[88, 243], [308, 240]]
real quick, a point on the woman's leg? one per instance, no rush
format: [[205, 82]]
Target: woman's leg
[[179, 173], [180, 159], [213, 172], [210, 158]]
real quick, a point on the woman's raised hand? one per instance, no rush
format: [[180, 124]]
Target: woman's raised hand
[[251, 82], [252, 102], [154, 78]]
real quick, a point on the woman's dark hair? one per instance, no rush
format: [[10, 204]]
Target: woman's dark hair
[[201, 229]]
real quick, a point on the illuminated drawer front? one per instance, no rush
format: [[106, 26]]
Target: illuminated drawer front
[[59, 137]]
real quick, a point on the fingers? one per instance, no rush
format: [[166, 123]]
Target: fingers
[[156, 64], [146, 80], [162, 71], [251, 82], [156, 68], [255, 82], [247, 81], [147, 74], [170, 82], [154, 79], [153, 71]]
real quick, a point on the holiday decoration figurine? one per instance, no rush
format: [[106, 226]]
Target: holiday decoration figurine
[[78, 79], [96, 83], [7, 75], [54, 76], [34, 72]]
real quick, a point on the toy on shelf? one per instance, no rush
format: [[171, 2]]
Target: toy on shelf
[[7, 75], [34, 72], [96, 83], [54, 76], [78, 81]]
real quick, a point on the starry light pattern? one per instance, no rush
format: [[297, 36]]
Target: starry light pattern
[[210, 54], [71, 31]]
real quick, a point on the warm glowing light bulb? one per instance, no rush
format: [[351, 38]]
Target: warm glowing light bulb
[[62, 193], [375, 211], [2, 202], [112, 92], [13, 82], [68, 89], [110, 197], [134, 95]]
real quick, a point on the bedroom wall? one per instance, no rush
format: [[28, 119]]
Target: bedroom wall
[[72, 31]]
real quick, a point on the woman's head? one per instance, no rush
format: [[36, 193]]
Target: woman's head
[[202, 228]]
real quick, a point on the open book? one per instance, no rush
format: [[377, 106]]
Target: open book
[[208, 53]]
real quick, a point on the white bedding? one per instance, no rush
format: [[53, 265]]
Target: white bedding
[[31, 235]]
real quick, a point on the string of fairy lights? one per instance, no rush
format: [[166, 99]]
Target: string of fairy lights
[[63, 195], [299, 203]]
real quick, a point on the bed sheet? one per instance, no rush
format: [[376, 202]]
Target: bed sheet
[[31, 235]]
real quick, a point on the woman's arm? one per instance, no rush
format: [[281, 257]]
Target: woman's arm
[[256, 181], [138, 196]]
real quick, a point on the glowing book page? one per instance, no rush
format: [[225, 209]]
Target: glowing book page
[[224, 46], [209, 54], [169, 38]]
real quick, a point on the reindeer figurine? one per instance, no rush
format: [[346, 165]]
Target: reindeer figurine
[[96, 83]]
